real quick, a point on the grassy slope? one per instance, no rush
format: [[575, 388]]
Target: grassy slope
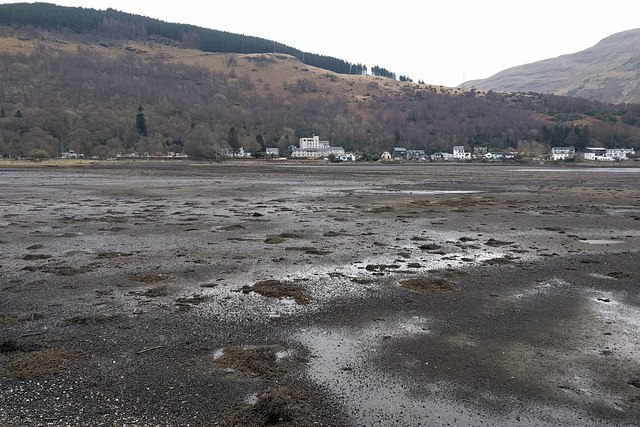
[[267, 76]]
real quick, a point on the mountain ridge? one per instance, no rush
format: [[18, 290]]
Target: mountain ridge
[[608, 72]]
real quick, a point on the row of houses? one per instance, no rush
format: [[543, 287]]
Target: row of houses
[[72, 154], [593, 153], [557, 154], [459, 153], [315, 148]]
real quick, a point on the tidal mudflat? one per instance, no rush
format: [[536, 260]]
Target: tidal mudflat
[[298, 294]]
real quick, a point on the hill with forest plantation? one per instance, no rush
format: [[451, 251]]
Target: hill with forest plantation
[[84, 84]]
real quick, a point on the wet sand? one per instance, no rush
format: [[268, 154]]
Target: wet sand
[[178, 293]]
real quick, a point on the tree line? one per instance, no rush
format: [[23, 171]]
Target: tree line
[[123, 25]]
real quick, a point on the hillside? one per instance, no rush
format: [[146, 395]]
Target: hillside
[[64, 90], [118, 25], [606, 72]]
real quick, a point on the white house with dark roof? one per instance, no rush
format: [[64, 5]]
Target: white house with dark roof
[[596, 153], [399, 153]]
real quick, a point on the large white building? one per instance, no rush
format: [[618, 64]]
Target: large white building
[[562, 153], [459, 153], [607, 154], [314, 148], [313, 142]]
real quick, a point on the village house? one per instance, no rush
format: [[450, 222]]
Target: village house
[[230, 153], [273, 151], [415, 155], [399, 153], [348, 157], [71, 155], [459, 153], [479, 152], [562, 153], [385, 156], [127, 155], [314, 148], [496, 155], [596, 153], [441, 156], [620, 153]]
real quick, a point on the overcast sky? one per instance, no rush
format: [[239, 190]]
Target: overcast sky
[[441, 42]]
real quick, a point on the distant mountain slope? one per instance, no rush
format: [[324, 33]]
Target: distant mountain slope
[[607, 72]]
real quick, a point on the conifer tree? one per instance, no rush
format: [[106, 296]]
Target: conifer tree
[[233, 141], [141, 122], [260, 140]]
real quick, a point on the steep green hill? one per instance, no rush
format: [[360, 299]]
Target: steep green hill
[[607, 72]]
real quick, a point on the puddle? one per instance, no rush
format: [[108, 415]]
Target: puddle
[[542, 289], [621, 318], [420, 192], [602, 242], [581, 170], [343, 362]]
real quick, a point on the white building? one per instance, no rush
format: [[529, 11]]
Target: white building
[[607, 154], [314, 148], [442, 156], [348, 157], [317, 152], [313, 142], [620, 153], [459, 153], [562, 153], [230, 153], [71, 155], [495, 155]]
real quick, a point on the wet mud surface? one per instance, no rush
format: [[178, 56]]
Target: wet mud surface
[[333, 295]]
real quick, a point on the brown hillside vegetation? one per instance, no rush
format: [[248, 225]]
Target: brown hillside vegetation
[[606, 72], [269, 70]]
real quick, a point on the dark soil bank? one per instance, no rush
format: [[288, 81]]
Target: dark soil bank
[[174, 294]]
